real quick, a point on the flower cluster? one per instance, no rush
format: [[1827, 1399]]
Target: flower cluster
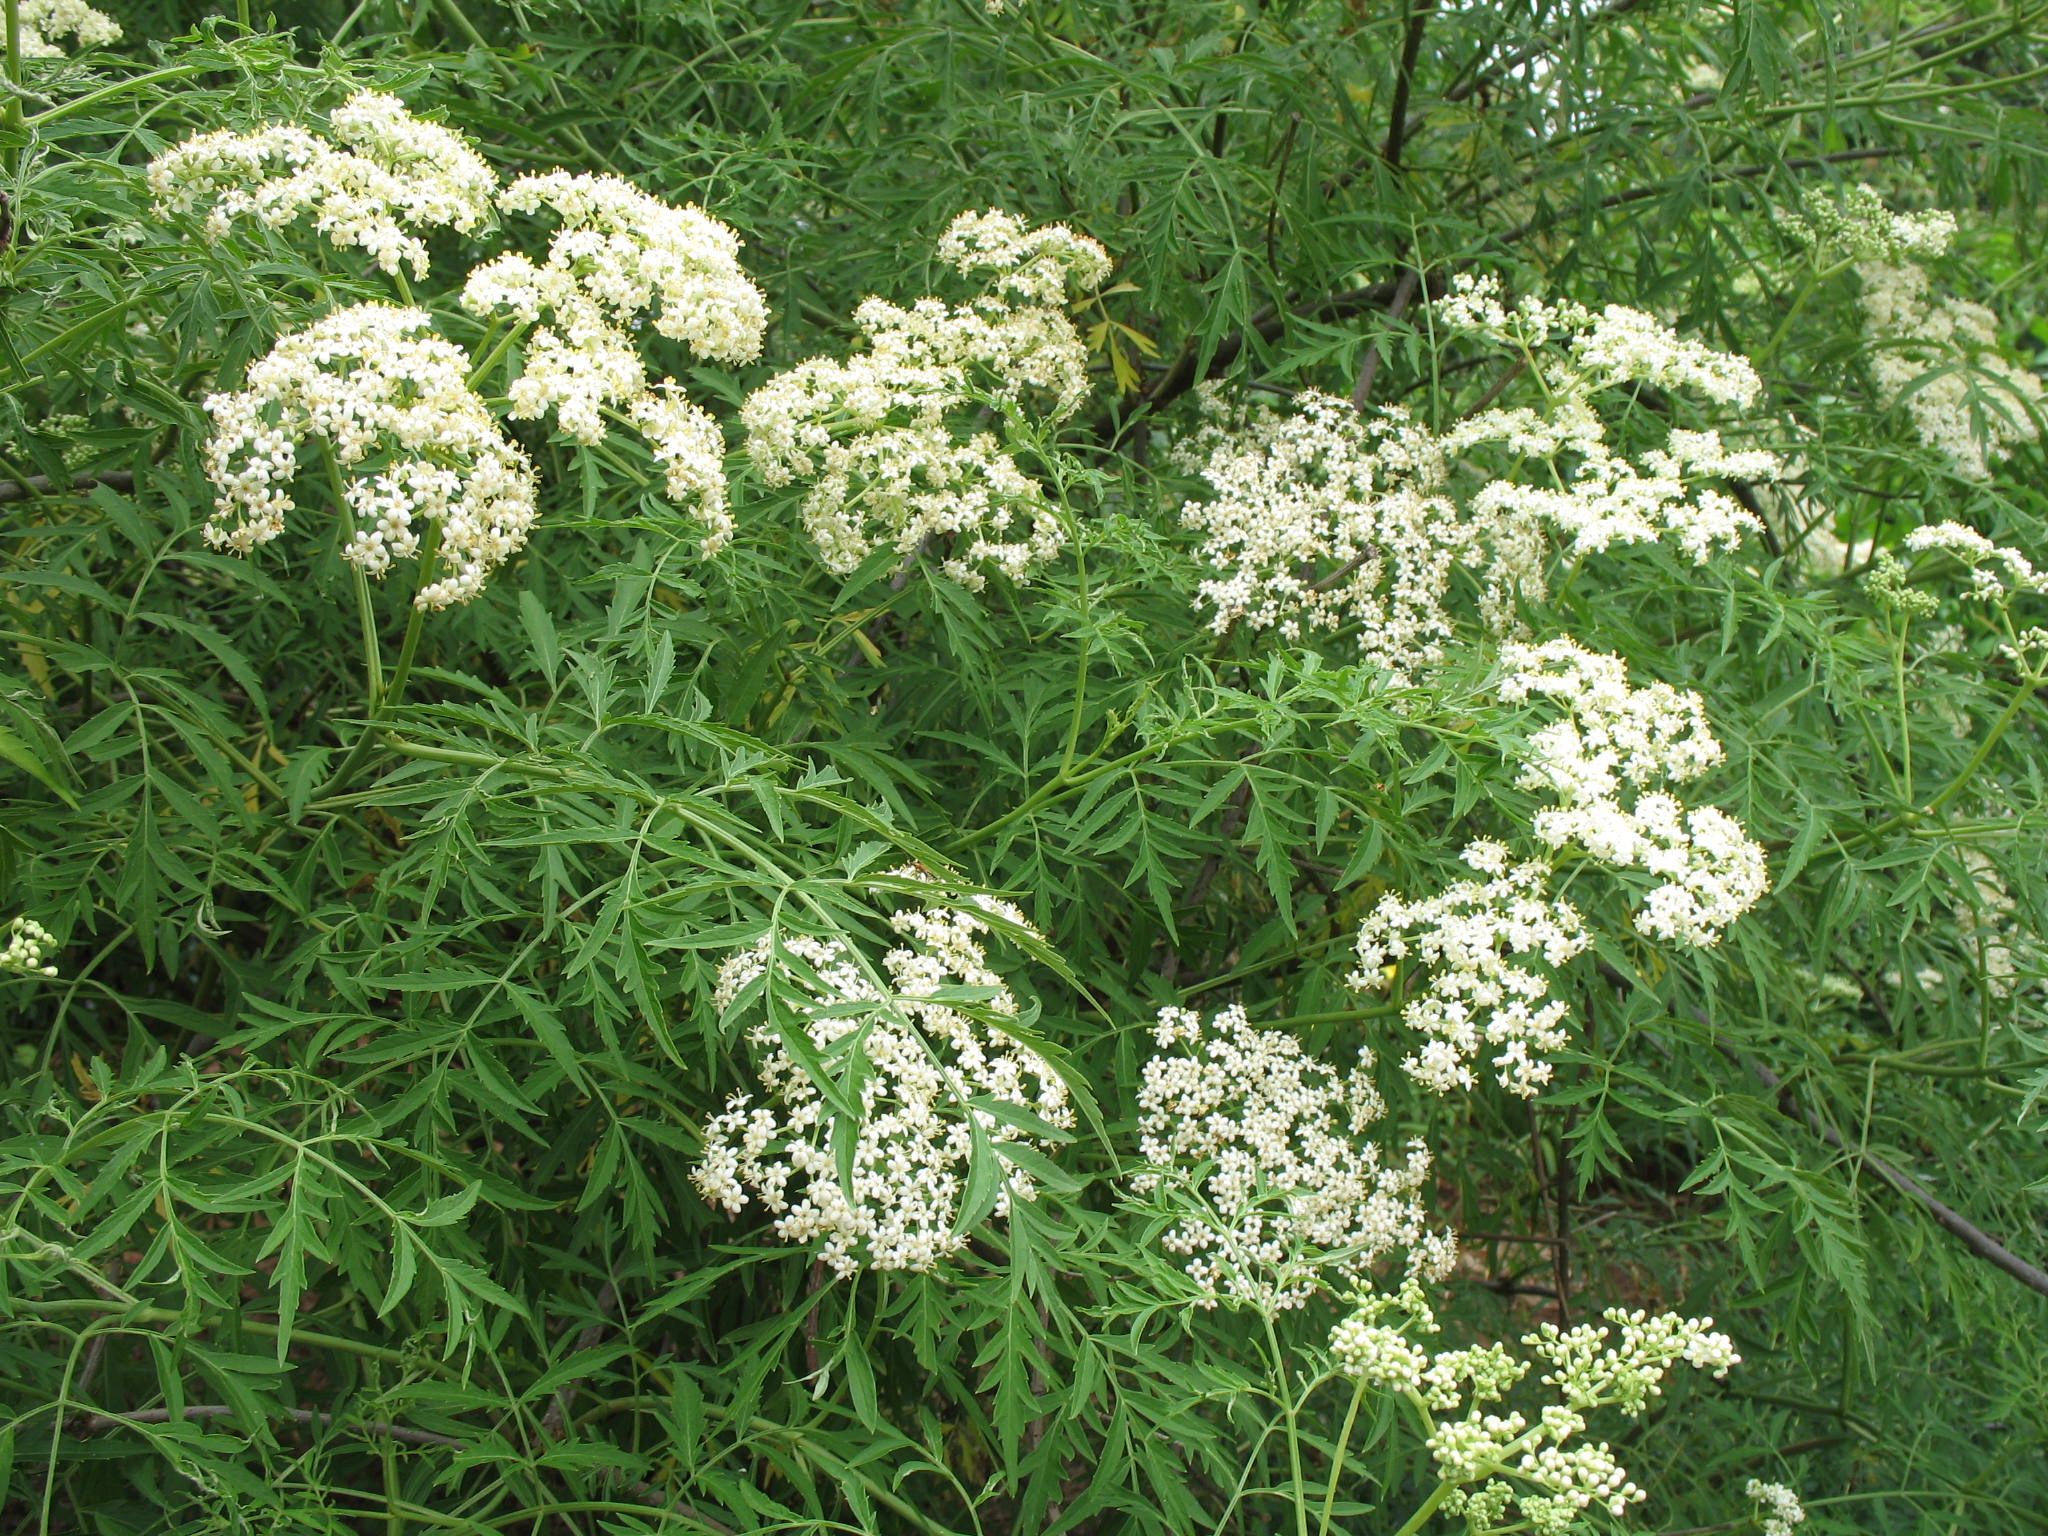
[[1478, 997], [622, 258], [920, 1069], [1609, 763], [1318, 520], [27, 948], [41, 22], [891, 438], [1257, 1145], [1778, 1507], [1997, 571], [387, 395], [1938, 356], [1495, 1461], [392, 173], [1857, 225]]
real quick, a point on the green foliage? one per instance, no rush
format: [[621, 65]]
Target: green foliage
[[345, 1166]]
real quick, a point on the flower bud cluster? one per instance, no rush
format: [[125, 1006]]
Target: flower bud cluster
[[41, 22], [889, 438], [1501, 1460], [1609, 763], [1778, 1508], [1859, 226], [1478, 998], [1258, 1146], [1318, 520], [384, 396], [27, 948], [393, 173], [923, 1069]]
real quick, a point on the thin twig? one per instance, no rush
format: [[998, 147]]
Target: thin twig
[[1404, 294], [42, 485], [92, 1423]]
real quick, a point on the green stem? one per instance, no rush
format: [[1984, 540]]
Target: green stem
[[93, 98], [1421, 1516], [1293, 1426], [10, 109], [1962, 780], [97, 1307], [1337, 1459]]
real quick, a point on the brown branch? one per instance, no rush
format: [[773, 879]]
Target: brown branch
[[1404, 294], [42, 485], [1972, 1237], [1404, 82]]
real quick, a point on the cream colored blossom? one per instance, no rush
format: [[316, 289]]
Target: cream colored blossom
[[1475, 940], [42, 22], [906, 442], [393, 173], [923, 1063], [1256, 1145], [383, 393], [1610, 763], [1778, 1507]]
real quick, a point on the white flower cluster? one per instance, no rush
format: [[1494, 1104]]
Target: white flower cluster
[[890, 438], [1257, 1144], [27, 948], [1318, 520], [41, 22], [1997, 571], [921, 1066], [621, 255], [1609, 763], [1497, 1461], [1857, 225], [368, 382], [393, 173], [1778, 1507], [1478, 998]]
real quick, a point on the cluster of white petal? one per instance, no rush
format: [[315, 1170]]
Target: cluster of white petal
[[1609, 763], [27, 948], [622, 258], [42, 22], [1320, 520], [385, 394], [1497, 1461], [392, 173], [921, 1062], [1998, 572], [1939, 357], [1257, 1145], [889, 438], [1778, 1507], [1478, 998]]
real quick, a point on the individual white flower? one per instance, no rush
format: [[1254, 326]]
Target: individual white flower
[[394, 173], [1477, 998], [1778, 1507], [896, 439], [42, 22], [385, 394], [28, 948], [1256, 1147], [925, 1070]]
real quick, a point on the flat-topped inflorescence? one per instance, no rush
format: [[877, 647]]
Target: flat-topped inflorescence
[[392, 173], [1258, 1147], [907, 442], [392, 403], [41, 22], [922, 1064]]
